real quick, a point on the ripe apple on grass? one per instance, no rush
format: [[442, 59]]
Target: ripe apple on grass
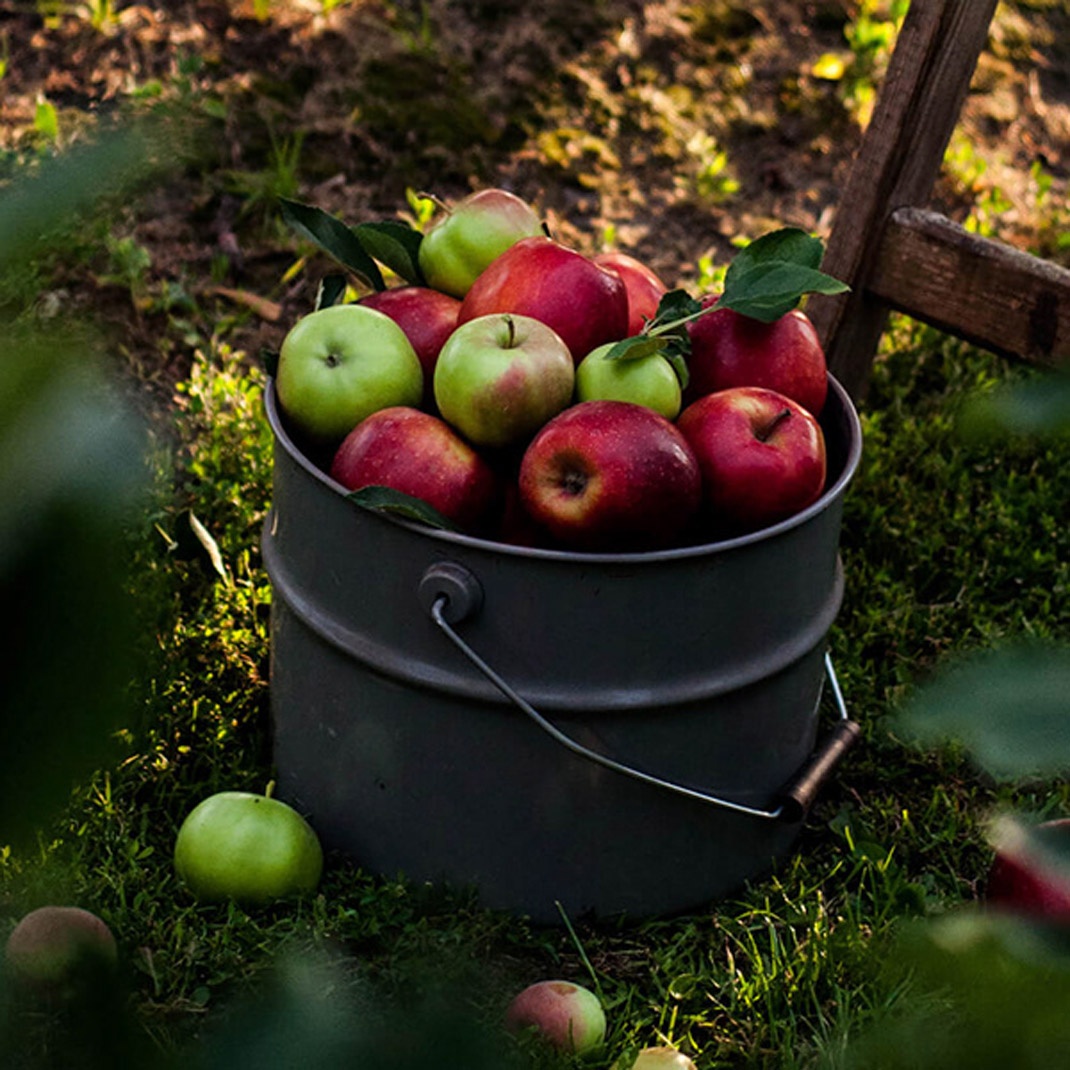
[[247, 847], [762, 456], [585, 304], [610, 476], [643, 285], [419, 454], [427, 317], [661, 1057], [566, 1015], [1030, 874], [53, 948], [341, 363], [500, 377], [465, 238]]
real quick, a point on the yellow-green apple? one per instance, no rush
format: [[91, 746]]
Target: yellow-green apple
[[610, 476], [500, 377], [661, 1057], [762, 456], [648, 380], [419, 454], [566, 1015], [340, 364], [1030, 873], [466, 237], [427, 317], [729, 349], [644, 285], [585, 304], [54, 947], [247, 847]]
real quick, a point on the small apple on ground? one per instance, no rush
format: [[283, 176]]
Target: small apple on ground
[[648, 380], [247, 847], [340, 364], [1024, 879], [585, 304], [644, 286], [568, 1016], [500, 377], [657, 1058], [729, 349], [418, 454], [464, 239], [427, 317], [53, 947], [762, 456], [610, 476]]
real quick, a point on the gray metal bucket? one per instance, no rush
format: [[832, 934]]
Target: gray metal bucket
[[614, 733]]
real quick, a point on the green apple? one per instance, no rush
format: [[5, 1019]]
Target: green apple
[[467, 237], [340, 364], [499, 378], [648, 381], [247, 847]]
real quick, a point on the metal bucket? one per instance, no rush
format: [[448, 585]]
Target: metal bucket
[[593, 733]]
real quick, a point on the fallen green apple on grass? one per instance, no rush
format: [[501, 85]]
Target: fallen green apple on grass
[[251, 848]]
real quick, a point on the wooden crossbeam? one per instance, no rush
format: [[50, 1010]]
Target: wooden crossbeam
[[989, 293]]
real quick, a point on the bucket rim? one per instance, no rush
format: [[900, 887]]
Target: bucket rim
[[676, 553]]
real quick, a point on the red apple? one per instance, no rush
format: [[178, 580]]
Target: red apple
[[644, 286], [729, 349], [427, 317], [610, 476], [585, 304], [568, 1016], [1027, 877], [762, 456], [418, 454]]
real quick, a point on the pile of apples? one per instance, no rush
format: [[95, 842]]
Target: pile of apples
[[522, 391]]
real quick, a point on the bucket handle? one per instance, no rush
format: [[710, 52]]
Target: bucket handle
[[451, 593]]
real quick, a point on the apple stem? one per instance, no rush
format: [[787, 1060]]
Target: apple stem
[[438, 202], [270, 789], [773, 424], [512, 332]]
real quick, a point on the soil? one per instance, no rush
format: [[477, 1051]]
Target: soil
[[610, 116]]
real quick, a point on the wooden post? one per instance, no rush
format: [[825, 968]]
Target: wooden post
[[917, 108]]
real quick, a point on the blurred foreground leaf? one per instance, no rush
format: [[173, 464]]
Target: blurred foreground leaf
[[1008, 707], [1039, 407], [987, 991], [72, 471]]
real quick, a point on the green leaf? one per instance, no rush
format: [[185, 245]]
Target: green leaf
[[395, 244], [636, 347], [1007, 707], [334, 238], [1038, 407], [788, 244], [674, 306], [388, 500], [771, 288], [331, 290]]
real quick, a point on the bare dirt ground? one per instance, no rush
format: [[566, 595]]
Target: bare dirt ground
[[666, 128]]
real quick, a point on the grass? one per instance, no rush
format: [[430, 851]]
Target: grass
[[950, 544]]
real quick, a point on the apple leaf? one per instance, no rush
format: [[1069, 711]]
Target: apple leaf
[[388, 500], [334, 238], [769, 289], [331, 290], [768, 277], [666, 334], [395, 244], [636, 347]]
